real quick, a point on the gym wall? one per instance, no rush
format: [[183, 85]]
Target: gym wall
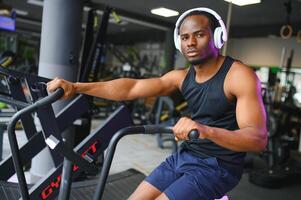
[[264, 51]]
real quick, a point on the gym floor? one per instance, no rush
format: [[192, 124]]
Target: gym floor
[[141, 152]]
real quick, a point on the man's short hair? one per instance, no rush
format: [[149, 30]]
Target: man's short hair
[[213, 22]]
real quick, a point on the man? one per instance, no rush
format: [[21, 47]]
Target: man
[[224, 96]]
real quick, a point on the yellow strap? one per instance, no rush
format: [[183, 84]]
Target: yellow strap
[[7, 62], [163, 117], [181, 106]]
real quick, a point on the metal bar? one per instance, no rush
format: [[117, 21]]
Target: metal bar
[[72, 112], [77, 159], [147, 129], [50, 126], [97, 48], [95, 144], [228, 27], [17, 93], [13, 102], [111, 150], [65, 187], [16, 74], [13, 140], [88, 41], [34, 145], [2, 127]]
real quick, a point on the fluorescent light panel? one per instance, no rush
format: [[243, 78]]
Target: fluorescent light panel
[[165, 12], [243, 2]]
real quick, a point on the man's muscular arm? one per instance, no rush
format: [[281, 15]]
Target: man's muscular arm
[[123, 88]]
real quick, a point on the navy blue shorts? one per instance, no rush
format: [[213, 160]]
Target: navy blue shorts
[[186, 176]]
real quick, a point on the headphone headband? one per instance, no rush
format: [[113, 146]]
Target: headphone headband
[[224, 35]]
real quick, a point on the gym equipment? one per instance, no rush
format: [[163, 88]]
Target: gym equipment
[[18, 97], [90, 148], [14, 96], [82, 155], [64, 118], [286, 30], [96, 142], [220, 33], [280, 169], [166, 113], [87, 41], [91, 69], [165, 105], [90, 72], [131, 63], [146, 129], [92, 53]]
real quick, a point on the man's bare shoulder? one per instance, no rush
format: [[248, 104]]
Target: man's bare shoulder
[[175, 77], [176, 74], [240, 71], [240, 79]]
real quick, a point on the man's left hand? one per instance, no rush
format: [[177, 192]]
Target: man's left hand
[[185, 125]]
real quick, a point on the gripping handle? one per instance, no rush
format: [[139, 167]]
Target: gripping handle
[[193, 134]]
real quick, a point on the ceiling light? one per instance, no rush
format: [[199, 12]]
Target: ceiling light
[[165, 12], [243, 2], [35, 2], [5, 12]]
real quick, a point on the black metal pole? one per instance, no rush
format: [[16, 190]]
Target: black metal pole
[[109, 157], [92, 63], [65, 187]]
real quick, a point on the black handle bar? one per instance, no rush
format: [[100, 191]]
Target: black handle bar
[[146, 129], [13, 140], [153, 129]]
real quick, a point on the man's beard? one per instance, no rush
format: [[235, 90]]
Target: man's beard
[[197, 61]]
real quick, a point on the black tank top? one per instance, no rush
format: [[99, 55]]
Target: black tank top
[[209, 106]]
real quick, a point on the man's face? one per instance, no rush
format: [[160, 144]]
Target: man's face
[[196, 39]]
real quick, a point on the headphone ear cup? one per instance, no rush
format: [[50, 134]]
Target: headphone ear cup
[[218, 37]]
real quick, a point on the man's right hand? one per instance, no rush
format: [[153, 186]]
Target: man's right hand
[[68, 87]]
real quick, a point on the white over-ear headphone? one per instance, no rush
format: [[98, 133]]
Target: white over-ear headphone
[[219, 34]]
